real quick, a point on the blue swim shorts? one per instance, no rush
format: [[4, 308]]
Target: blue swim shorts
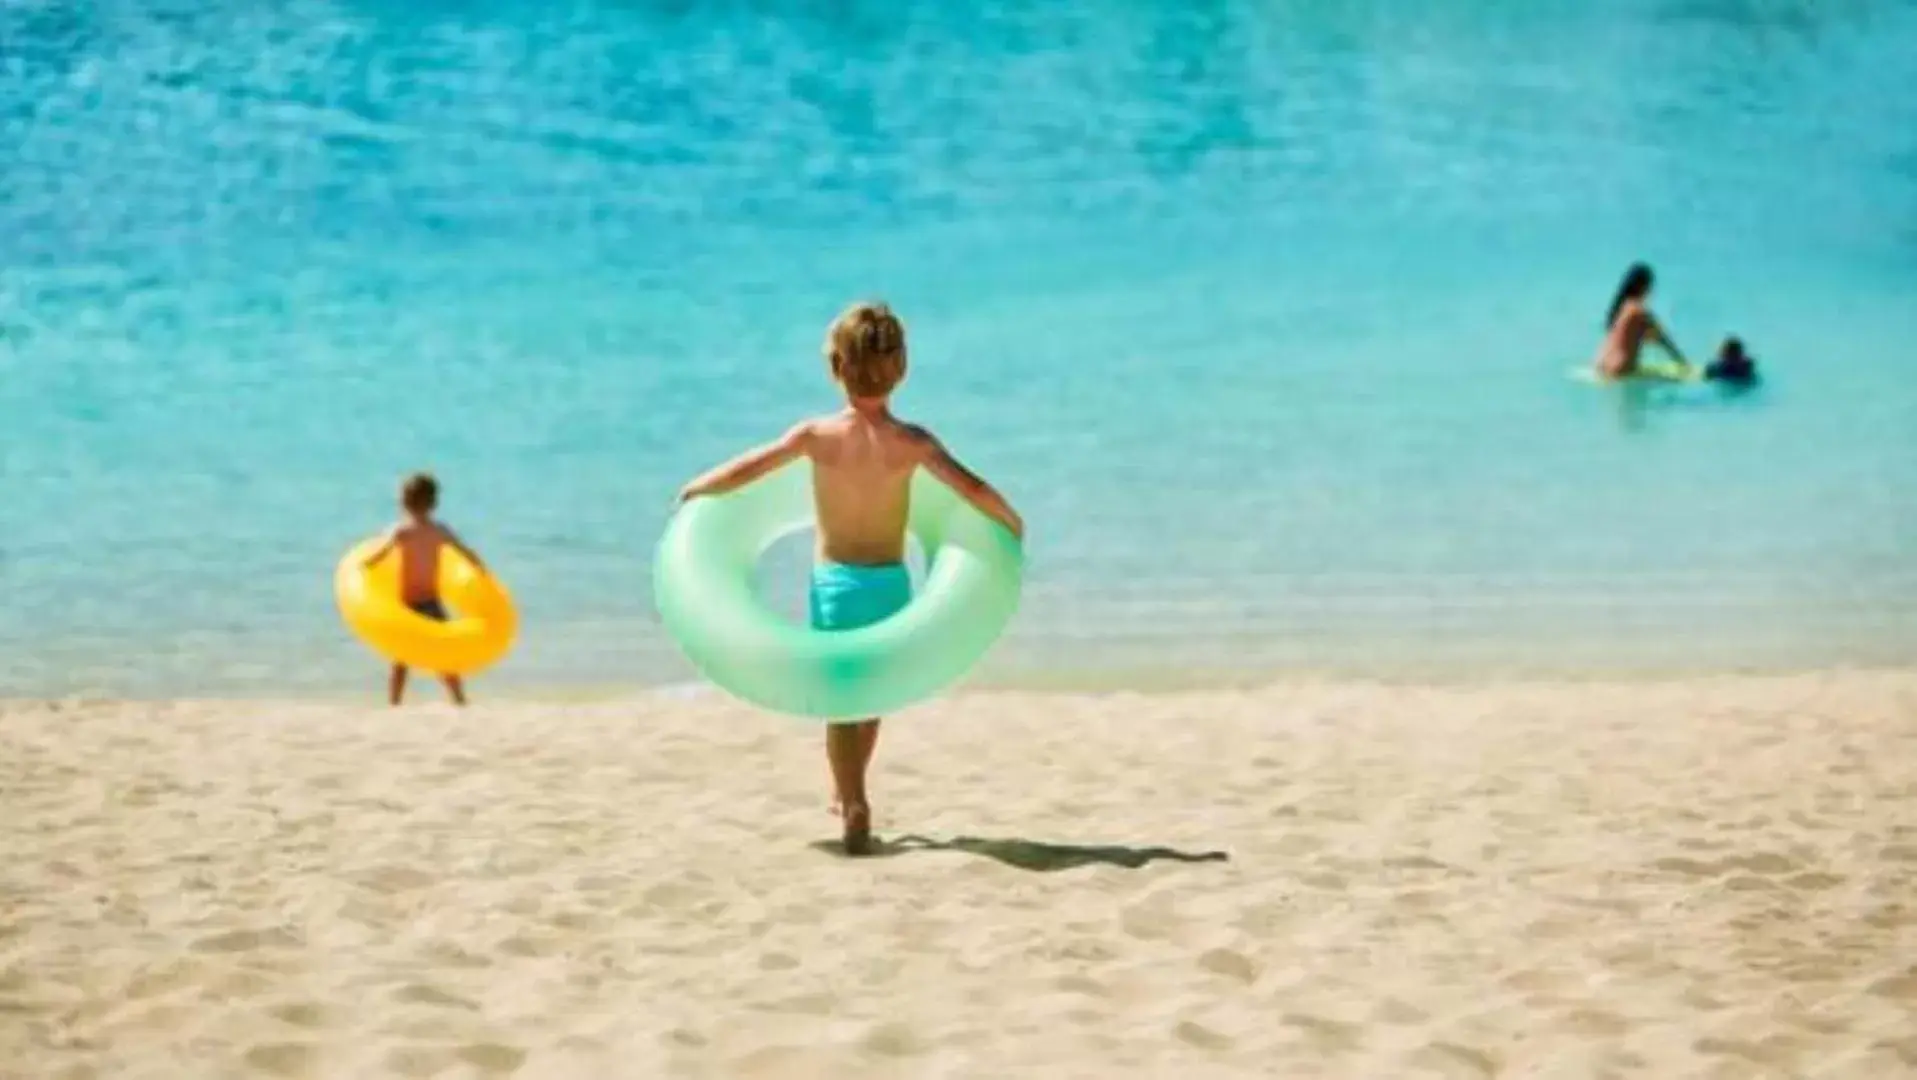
[[845, 597], [431, 609]]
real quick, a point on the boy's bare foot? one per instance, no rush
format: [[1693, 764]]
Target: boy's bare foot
[[858, 830]]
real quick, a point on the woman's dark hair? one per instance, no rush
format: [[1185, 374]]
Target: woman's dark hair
[[1637, 282]]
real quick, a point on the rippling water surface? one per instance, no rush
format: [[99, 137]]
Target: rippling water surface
[[1262, 312]]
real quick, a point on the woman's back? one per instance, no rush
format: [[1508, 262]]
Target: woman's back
[[1617, 356]]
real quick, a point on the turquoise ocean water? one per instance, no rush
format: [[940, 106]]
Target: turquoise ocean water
[[1262, 312]]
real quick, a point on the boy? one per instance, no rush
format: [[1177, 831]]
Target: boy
[[862, 459], [1733, 365], [418, 538]]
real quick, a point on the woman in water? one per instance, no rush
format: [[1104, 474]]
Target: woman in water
[[1629, 325]]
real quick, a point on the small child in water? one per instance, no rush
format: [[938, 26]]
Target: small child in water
[[418, 539], [1733, 365], [863, 459]]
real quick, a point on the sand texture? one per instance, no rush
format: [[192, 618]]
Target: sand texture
[[1706, 878]]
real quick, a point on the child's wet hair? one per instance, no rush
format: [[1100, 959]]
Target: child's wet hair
[[419, 493], [865, 347]]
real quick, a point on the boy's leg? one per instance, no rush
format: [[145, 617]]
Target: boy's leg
[[865, 742], [848, 749], [396, 684], [455, 689]]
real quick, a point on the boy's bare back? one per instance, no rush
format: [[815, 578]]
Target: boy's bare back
[[417, 544], [863, 457], [862, 466], [417, 540]]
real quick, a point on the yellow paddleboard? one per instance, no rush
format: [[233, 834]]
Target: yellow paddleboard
[[1666, 371]]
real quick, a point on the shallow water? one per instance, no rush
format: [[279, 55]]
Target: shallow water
[[1262, 313]]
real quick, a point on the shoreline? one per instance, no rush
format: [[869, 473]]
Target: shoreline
[[1069, 683]]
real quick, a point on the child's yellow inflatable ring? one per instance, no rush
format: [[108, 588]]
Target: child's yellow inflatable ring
[[479, 632]]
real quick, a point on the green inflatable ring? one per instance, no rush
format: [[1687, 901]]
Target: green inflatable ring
[[702, 582]]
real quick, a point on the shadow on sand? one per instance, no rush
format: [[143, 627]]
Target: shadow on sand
[[1033, 855]]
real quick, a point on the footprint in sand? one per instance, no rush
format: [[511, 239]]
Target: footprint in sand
[[422, 994], [1753, 1052], [418, 1060], [1905, 1050], [526, 904], [1398, 1012], [1232, 965], [1687, 867], [1887, 917], [685, 1037], [491, 1057], [1416, 862], [1763, 862], [524, 946], [1196, 1034], [1456, 1059], [1325, 1034], [1897, 987], [1151, 918], [158, 980], [817, 1004], [1596, 1022], [777, 961], [1081, 984], [245, 941], [893, 1040], [1295, 845], [283, 1059], [451, 954], [300, 1014], [390, 880]]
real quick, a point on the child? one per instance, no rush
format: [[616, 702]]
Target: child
[[1733, 365], [418, 538], [862, 459]]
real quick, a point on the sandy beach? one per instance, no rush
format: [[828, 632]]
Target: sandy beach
[[1703, 878]]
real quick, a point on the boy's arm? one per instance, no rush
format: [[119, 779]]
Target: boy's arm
[[751, 465], [970, 486], [453, 541], [384, 549]]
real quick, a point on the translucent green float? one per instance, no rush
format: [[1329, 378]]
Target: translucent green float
[[702, 581]]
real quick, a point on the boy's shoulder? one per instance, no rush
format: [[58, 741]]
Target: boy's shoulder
[[411, 529], [917, 434], [828, 425]]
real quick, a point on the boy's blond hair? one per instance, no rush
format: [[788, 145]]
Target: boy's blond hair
[[865, 347]]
